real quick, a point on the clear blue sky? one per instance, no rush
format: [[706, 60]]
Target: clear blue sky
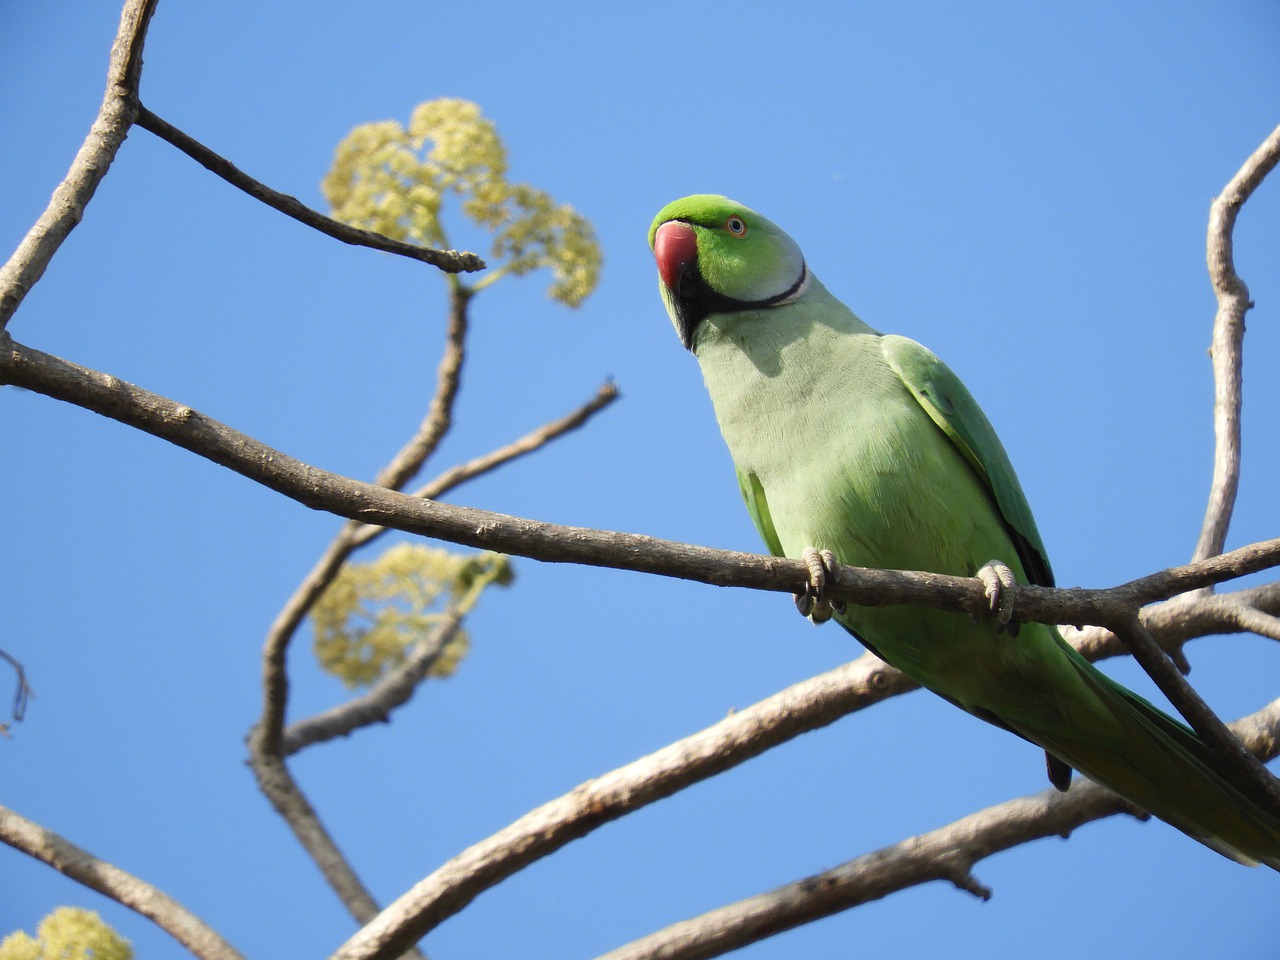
[[1023, 187]]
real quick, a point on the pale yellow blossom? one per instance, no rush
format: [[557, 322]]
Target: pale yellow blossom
[[393, 180], [372, 614], [68, 933]]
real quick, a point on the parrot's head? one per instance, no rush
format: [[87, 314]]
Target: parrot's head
[[716, 256]]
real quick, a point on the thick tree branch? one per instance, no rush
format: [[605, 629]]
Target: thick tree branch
[[1228, 343], [747, 733], [948, 853], [555, 543], [124, 888], [451, 261], [66, 207], [801, 708]]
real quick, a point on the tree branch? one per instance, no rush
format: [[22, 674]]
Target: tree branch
[[1228, 343], [801, 708], [72, 195], [281, 789], [375, 705], [110, 881], [531, 441], [450, 261], [948, 853], [805, 706], [555, 543]]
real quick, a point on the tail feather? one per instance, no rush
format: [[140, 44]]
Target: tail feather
[[1162, 766]]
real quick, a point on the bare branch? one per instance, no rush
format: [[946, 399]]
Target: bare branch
[[1183, 618], [1228, 343], [282, 790], [376, 704], [534, 440], [747, 733], [948, 853], [1255, 621], [22, 691], [801, 708], [555, 543], [439, 417], [66, 207], [124, 888], [450, 261]]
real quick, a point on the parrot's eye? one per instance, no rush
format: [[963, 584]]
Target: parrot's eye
[[736, 226]]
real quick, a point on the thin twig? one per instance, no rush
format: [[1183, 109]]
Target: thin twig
[[404, 466], [486, 463], [72, 195], [948, 853], [450, 261], [266, 737], [375, 705], [124, 888], [1228, 342], [285, 795], [22, 691]]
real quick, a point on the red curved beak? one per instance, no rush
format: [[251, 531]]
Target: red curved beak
[[675, 248]]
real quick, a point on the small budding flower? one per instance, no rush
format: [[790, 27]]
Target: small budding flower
[[372, 614], [393, 180]]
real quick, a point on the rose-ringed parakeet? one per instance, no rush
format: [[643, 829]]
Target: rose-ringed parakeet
[[867, 446]]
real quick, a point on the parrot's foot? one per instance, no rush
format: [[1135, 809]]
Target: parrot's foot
[[1000, 586], [811, 603]]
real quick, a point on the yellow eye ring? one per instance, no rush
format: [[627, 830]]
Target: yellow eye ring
[[736, 226]]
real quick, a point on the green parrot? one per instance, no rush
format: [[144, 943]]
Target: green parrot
[[865, 449]]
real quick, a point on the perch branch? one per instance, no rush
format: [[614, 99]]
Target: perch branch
[[450, 261], [555, 543], [110, 881]]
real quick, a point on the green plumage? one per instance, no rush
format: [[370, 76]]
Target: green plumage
[[867, 445]]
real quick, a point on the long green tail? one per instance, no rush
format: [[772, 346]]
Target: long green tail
[[1163, 767]]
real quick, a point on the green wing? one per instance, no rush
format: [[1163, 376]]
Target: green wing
[[951, 406], [758, 507]]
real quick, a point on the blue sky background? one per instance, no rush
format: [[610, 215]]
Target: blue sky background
[[1023, 187]]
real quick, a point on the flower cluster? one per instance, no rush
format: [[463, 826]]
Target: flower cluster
[[393, 180], [68, 933], [371, 615]]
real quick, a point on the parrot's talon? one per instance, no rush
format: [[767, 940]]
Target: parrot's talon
[[1000, 586], [811, 603]]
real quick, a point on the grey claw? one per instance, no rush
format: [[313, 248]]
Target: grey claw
[[810, 603], [1000, 586]]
